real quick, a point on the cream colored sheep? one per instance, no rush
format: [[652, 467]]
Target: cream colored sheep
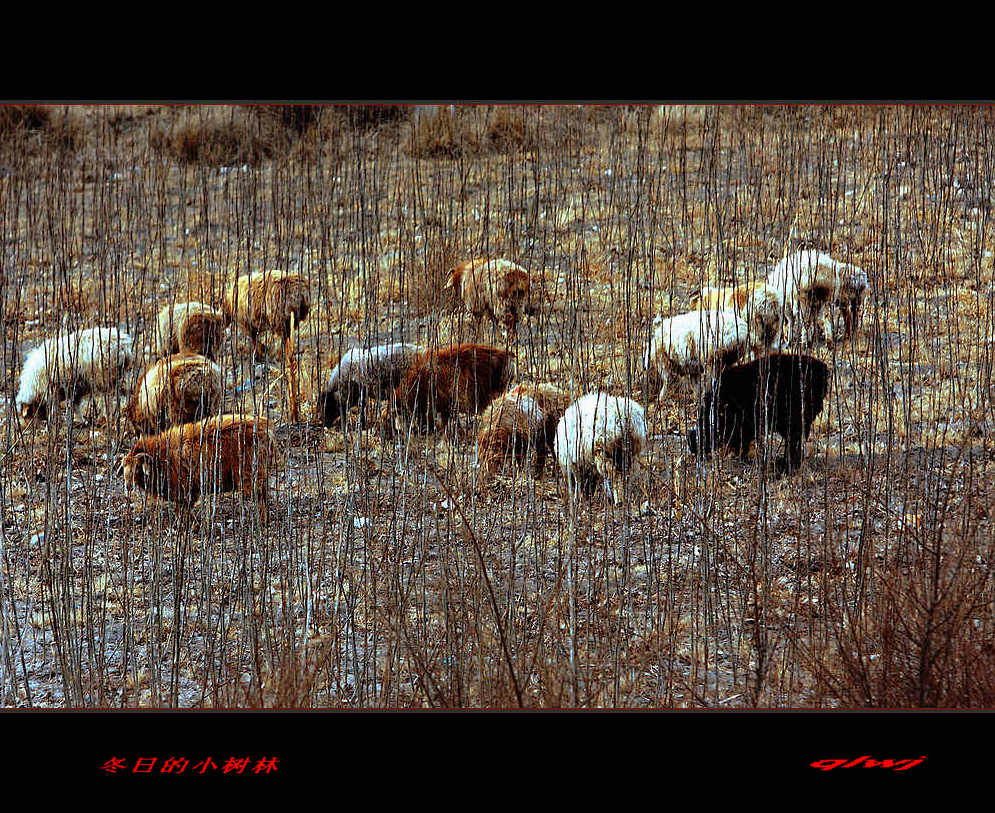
[[72, 366]]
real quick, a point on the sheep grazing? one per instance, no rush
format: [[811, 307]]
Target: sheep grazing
[[189, 327], [599, 440], [850, 297], [463, 378], [809, 282], [180, 389], [271, 302], [364, 373], [524, 417], [688, 345], [267, 302], [782, 392], [498, 289], [72, 366], [221, 454]]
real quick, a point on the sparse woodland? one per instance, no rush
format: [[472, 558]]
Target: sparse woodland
[[390, 572]]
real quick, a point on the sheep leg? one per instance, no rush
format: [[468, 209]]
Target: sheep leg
[[541, 454], [792, 452], [611, 486], [851, 316], [257, 492], [666, 385], [570, 483], [258, 351], [290, 359], [209, 502], [361, 402]]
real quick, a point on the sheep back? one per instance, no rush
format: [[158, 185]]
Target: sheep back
[[182, 388], [462, 378], [189, 327], [225, 453], [599, 439], [72, 366]]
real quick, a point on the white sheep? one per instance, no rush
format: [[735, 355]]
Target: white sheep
[[363, 373], [759, 303], [686, 345], [599, 440], [809, 283], [72, 366]]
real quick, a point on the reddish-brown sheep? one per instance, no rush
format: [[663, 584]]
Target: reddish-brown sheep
[[222, 454], [440, 383]]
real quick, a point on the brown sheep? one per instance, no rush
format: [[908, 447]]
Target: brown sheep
[[189, 327], [180, 389], [267, 302], [463, 378], [222, 454], [498, 289], [525, 416]]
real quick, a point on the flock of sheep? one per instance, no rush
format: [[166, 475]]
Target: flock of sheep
[[187, 450]]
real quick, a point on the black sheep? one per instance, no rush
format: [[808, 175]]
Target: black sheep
[[782, 392]]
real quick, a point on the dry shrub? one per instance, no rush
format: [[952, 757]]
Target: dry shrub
[[367, 116], [296, 117], [451, 131], [506, 129], [442, 131], [921, 634], [289, 679], [14, 117], [60, 128], [685, 120], [222, 135]]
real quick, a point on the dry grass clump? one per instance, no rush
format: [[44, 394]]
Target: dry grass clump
[[365, 116], [507, 130], [296, 117], [221, 135], [59, 127], [15, 117], [441, 131], [923, 636], [451, 131]]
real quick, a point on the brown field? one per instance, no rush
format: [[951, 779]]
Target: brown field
[[387, 575]]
